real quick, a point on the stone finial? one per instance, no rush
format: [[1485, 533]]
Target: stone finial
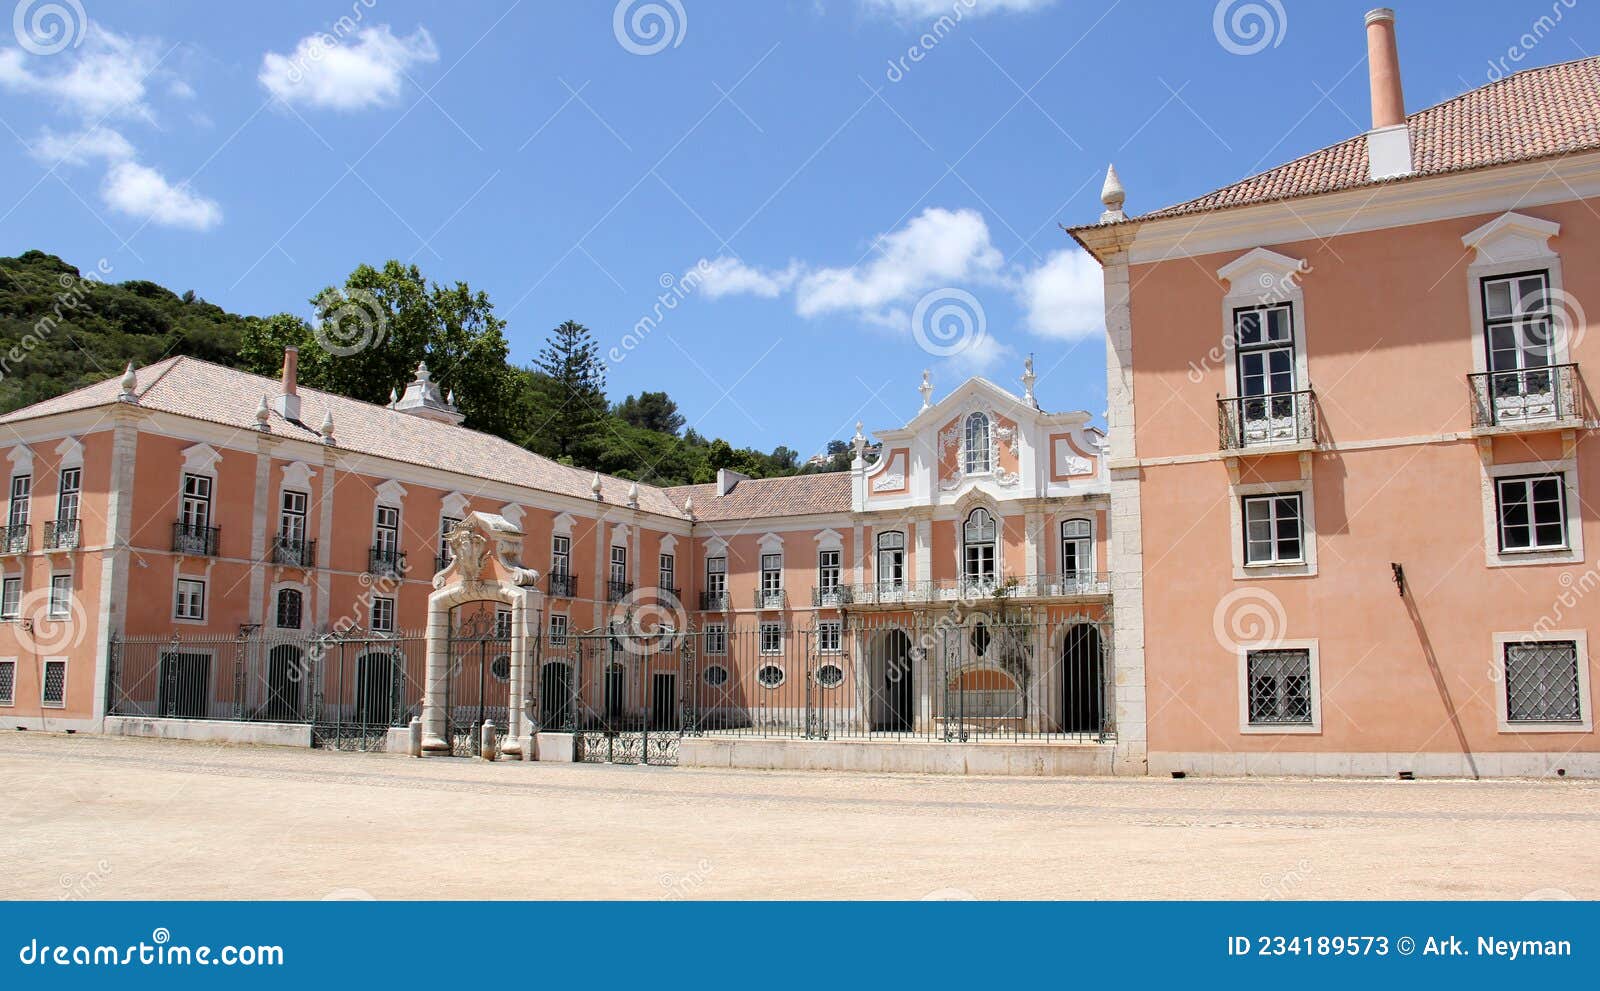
[[1028, 378], [130, 385], [422, 399], [859, 440], [594, 486], [926, 388], [394, 397], [263, 415], [633, 496], [451, 399], [1113, 196], [327, 427], [688, 506]]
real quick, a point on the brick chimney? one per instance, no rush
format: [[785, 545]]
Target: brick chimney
[[287, 401], [1389, 141]]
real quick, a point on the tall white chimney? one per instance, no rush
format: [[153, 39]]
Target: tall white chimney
[[1389, 141]]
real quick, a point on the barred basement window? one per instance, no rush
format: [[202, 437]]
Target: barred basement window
[[1280, 687], [8, 682], [830, 637], [54, 695], [290, 604], [770, 676], [716, 639], [1542, 682], [716, 676], [830, 676], [771, 638]]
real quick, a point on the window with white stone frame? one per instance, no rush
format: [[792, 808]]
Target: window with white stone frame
[[771, 638], [1077, 549], [291, 605], [1272, 529], [716, 639], [382, 614], [1278, 688], [60, 597], [189, 600], [979, 444], [1532, 513], [11, 598], [8, 681], [53, 691], [830, 637], [558, 629], [1544, 682]]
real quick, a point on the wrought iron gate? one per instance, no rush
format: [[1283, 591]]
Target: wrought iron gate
[[480, 679], [627, 696]]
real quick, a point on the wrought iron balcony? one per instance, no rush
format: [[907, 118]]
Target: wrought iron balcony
[[714, 601], [14, 539], [832, 595], [562, 584], [61, 535], [616, 590], [194, 539], [386, 562], [771, 598], [975, 590], [668, 593], [1280, 419], [1528, 397], [294, 552]]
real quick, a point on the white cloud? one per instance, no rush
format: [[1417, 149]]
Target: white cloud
[[913, 9], [726, 276], [81, 147], [335, 74], [141, 191], [1065, 297], [938, 247], [106, 77]]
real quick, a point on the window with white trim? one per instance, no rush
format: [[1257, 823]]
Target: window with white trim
[[830, 637], [1279, 687], [830, 675], [1519, 334], [292, 519], [11, 597], [979, 457], [1264, 350], [668, 573], [386, 531], [291, 604], [619, 564], [53, 692], [446, 524], [716, 676], [716, 576], [1273, 529], [560, 555], [21, 491], [8, 682], [60, 596], [828, 571], [1077, 548], [191, 599], [892, 558], [558, 629], [769, 676], [69, 489], [771, 638], [771, 577], [978, 538], [502, 624], [1543, 682], [716, 639], [1532, 512], [382, 614], [194, 511]]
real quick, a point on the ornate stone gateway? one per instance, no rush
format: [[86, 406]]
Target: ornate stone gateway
[[484, 567]]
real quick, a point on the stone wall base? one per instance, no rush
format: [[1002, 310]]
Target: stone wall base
[[559, 748], [910, 757], [211, 731], [1382, 765]]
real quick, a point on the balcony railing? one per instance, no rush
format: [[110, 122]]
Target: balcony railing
[[617, 590], [294, 552], [668, 593], [386, 562], [194, 539], [824, 596], [1024, 587], [714, 601], [771, 598], [1552, 394], [14, 539], [61, 535], [1283, 418], [562, 584]]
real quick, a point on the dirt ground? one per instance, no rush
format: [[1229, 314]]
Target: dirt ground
[[115, 818]]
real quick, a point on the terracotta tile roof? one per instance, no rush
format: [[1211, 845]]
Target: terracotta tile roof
[[190, 387], [764, 498], [1536, 113]]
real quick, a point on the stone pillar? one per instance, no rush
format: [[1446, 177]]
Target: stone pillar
[[115, 557], [258, 535], [436, 681], [516, 724]]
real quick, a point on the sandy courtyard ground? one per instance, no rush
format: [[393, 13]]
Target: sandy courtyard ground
[[114, 818]]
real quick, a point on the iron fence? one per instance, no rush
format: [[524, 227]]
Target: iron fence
[[1268, 420], [1540, 394]]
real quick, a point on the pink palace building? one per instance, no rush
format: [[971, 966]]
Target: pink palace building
[[1335, 525]]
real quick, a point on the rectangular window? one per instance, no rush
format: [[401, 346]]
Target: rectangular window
[[560, 555], [1077, 548], [195, 510], [669, 572], [1280, 687], [558, 629], [292, 518], [1532, 512], [830, 637], [892, 558], [21, 490], [716, 575], [382, 614], [828, 571], [386, 531], [1519, 333], [191, 599], [1272, 529], [502, 624], [772, 638], [11, 598], [1264, 346], [1542, 682], [716, 639], [8, 682], [619, 564], [68, 492], [771, 576], [60, 596], [54, 690], [446, 524]]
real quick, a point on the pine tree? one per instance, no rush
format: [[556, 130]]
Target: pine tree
[[571, 360]]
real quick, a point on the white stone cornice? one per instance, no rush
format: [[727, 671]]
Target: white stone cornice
[[298, 475], [70, 452], [201, 459], [391, 493], [1512, 237]]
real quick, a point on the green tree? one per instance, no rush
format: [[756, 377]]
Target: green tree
[[577, 383], [651, 411]]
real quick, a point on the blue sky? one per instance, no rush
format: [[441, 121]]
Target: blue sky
[[830, 167]]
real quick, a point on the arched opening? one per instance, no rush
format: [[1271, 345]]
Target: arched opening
[[1083, 693], [979, 461], [894, 706], [285, 676], [984, 693], [555, 696], [978, 537]]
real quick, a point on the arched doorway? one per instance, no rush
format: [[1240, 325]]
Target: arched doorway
[[285, 675], [555, 696], [1083, 693], [894, 708]]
